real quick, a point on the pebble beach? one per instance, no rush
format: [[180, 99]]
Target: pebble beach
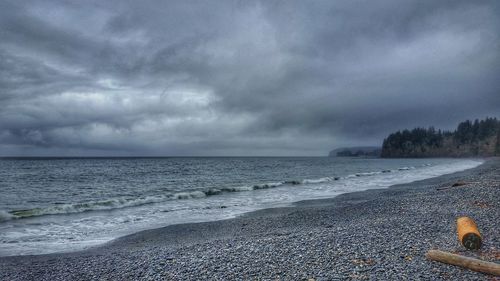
[[378, 234]]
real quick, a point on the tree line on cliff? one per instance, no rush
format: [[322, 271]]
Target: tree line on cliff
[[469, 139]]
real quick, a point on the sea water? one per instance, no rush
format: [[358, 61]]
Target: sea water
[[65, 204]]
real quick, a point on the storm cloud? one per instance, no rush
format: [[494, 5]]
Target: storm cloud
[[239, 77]]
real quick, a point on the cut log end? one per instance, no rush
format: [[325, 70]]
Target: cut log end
[[472, 241]]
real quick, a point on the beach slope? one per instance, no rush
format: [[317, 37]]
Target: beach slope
[[370, 235]]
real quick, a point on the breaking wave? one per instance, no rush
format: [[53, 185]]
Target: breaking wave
[[5, 216], [123, 202]]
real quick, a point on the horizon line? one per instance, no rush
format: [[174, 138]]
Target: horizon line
[[144, 156]]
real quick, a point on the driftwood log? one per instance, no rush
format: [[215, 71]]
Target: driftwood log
[[468, 234], [465, 262]]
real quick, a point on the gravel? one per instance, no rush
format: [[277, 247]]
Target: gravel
[[370, 235]]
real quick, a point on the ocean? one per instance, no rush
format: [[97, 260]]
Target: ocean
[[52, 205]]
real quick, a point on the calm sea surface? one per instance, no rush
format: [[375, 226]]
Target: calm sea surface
[[55, 205]]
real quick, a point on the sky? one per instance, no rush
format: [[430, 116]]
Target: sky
[[239, 78]]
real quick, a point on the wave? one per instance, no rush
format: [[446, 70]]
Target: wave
[[123, 202], [69, 208], [320, 180], [5, 216], [189, 195], [368, 174]]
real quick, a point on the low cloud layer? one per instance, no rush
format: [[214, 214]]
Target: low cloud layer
[[239, 77]]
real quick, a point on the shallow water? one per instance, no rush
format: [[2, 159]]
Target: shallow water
[[57, 205]]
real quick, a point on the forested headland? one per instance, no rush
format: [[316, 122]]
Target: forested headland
[[470, 138]]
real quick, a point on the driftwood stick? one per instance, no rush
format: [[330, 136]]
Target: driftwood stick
[[466, 262], [465, 183], [457, 184]]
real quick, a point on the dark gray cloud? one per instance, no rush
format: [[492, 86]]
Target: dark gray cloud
[[239, 77]]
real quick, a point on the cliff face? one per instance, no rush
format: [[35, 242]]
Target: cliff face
[[470, 139]]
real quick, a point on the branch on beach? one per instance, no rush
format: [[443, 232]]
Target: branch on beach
[[462, 183], [457, 184], [465, 262]]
